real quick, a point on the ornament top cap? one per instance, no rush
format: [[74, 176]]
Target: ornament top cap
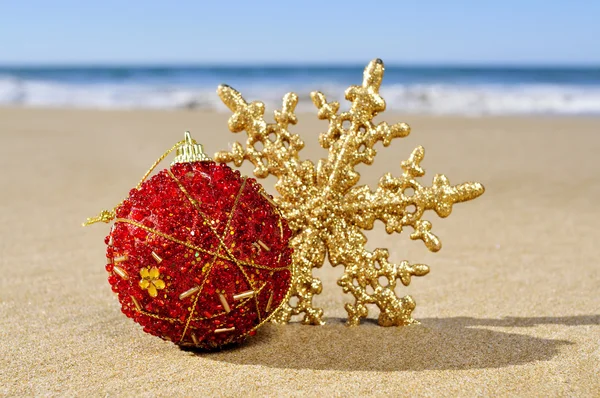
[[190, 151]]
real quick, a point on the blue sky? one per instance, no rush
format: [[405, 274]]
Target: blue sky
[[308, 31]]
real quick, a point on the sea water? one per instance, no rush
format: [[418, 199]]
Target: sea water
[[490, 90]]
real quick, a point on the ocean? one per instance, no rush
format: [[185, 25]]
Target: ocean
[[425, 90]]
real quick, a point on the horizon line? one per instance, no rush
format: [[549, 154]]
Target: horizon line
[[288, 64]]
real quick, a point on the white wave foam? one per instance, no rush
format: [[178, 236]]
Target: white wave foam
[[494, 99], [33, 93], [427, 99]]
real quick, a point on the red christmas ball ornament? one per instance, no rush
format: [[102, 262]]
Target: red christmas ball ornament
[[198, 255]]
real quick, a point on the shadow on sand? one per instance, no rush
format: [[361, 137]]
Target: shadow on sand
[[437, 343]]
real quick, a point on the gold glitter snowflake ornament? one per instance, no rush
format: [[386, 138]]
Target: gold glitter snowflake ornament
[[325, 208]]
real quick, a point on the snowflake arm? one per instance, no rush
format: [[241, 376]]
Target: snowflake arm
[[353, 144], [396, 207], [309, 252], [363, 271], [279, 153]]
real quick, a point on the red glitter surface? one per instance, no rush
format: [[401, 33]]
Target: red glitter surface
[[214, 236]]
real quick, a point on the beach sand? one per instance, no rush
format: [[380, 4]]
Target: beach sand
[[511, 306]]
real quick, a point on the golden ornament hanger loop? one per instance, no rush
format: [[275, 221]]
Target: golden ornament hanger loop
[[188, 150]]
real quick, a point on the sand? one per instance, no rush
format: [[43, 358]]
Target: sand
[[511, 306]]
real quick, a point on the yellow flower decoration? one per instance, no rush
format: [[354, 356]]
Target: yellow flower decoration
[[151, 281]]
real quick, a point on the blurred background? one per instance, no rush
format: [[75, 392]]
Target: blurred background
[[465, 57]]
